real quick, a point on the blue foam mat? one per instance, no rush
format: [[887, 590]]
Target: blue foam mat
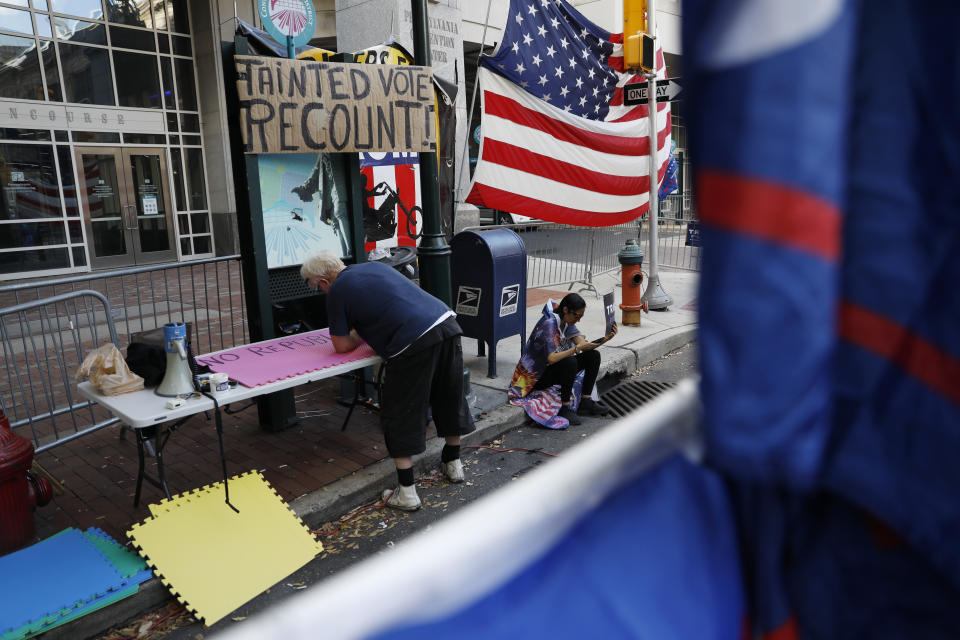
[[53, 576]]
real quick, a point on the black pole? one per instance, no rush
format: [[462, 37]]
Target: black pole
[[434, 252]]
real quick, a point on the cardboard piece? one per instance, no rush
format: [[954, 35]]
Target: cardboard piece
[[303, 106]]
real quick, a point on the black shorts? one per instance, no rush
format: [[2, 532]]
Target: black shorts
[[418, 379]]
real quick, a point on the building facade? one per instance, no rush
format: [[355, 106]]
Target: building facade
[[114, 145]]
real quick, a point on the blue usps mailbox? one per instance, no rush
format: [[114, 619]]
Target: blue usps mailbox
[[489, 277]]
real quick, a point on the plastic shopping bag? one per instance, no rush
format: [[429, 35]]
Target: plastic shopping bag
[[108, 371]]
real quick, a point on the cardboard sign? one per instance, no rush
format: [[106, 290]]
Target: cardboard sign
[[301, 106]]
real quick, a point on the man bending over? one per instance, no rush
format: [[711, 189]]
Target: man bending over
[[418, 338]]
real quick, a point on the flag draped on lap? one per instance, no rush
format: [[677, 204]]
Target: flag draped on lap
[[557, 141], [825, 139]]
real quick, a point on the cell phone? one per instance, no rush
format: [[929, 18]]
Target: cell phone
[[598, 340]]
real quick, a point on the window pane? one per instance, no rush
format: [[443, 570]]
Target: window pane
[[132, 39], [84, 8], [79, 31], [163, 41], [180, 21], [34, 260], [24, 134], [183, 224], [95, 136], [31, 234], [66, 179], [138, 80], [19, 3], [28, 184], [177, 174], [181, 46], [76, 231], [199, 222], [86, 73], [159, 15], [43, 25], [172, 122], [79, 256], [191, 140], [37, 4], [19, 69], [132, 12], [190, 122], [16, 20], [61, 136], [185, 247], [144, 138], [50, 70], [186, 90], [166, 74], [201, 244], [195, 180]]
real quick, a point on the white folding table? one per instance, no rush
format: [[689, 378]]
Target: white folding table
[[146, 412]]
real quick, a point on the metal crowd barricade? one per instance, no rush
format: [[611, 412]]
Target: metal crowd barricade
[[678, 238], [43, 343], [47, 326], [560, 254]]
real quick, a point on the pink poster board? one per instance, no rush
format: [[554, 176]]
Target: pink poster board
[[262, 362]]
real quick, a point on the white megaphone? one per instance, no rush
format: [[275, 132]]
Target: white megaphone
[[178, 379]]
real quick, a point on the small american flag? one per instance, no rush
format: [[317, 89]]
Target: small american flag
[[557, 142]]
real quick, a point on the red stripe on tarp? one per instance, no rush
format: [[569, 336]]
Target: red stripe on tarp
[[786, 631], [521, 159], [514, 203], [892, 341], [773, 212], [497, 105]]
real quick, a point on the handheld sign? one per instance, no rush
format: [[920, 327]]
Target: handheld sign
[[608, 312], [306, 106]]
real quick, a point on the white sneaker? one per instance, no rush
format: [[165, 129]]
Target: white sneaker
[[404, 498], [454, 471]]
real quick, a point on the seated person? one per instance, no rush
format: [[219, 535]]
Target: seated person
[[556, 364]]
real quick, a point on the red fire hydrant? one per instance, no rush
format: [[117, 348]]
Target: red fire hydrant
[[20, 491], [631, 279]]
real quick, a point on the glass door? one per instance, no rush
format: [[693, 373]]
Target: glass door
[[126, 206]]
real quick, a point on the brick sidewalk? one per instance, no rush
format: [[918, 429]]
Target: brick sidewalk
[[98, 471]]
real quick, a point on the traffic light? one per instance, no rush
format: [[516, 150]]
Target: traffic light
[[634, 17], [638, 52]]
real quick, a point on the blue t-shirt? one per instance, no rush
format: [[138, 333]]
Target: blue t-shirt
[[388, 311]]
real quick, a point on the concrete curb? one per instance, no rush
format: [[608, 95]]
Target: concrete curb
[[333, 501]]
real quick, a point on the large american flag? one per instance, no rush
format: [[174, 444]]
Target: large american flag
[[557, 141]]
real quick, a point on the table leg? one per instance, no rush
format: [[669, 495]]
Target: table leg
[[136, 497], [161, 476]]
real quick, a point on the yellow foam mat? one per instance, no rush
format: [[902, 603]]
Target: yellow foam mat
[[213, 559]]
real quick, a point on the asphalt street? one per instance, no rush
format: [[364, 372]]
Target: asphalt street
[[372, 529]]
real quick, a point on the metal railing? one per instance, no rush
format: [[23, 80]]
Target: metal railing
[[43, 343], [48, 326], [559, 254], [678, 237]]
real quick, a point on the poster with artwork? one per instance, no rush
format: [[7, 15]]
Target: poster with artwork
[[304, 207], [392, 215]]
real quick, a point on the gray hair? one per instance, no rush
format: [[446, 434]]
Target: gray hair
[[323, 264]]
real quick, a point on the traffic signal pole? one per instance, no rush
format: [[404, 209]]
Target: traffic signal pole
[[654, 296], [434, 252]]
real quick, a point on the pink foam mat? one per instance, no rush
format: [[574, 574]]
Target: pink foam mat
[[262, 362]]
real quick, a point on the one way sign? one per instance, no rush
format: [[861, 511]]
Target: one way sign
[[636, 93]]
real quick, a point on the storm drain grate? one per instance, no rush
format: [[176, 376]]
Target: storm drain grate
[[627, 396]]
